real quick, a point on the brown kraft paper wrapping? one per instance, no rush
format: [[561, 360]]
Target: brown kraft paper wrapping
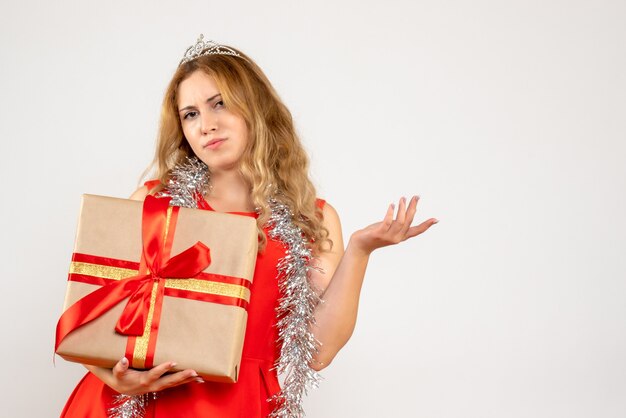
[[204, 336]]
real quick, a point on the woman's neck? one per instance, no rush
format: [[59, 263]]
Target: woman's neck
[[229, 192]]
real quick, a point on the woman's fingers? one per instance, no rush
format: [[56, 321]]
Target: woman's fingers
[[388, 220], [418, 229], [158, 371], [404, 218], [410, 214], [401, 228], [151, 380], [120, 368], [400, 218], [178, 378]]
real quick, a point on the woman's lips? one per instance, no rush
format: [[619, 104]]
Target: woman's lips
[[215, 143]]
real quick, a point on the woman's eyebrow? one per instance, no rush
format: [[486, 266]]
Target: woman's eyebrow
[[207, 100]]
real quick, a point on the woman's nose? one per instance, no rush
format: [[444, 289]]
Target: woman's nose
[[209, 122]]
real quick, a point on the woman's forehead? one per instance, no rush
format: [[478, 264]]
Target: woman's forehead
[[198, 86]]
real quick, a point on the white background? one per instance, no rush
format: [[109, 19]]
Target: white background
[[506, 117]]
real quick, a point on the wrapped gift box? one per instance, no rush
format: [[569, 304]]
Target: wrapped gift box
[[117, 304]]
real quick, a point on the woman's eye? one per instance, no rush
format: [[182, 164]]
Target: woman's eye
[[219, 104], [190, 115]]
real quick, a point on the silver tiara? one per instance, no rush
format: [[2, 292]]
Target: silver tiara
[[203, 47]]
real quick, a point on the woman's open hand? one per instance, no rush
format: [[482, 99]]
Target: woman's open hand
[[128, 381], [391, 231]]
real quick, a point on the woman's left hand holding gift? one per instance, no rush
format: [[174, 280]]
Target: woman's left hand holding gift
[[125, 380]]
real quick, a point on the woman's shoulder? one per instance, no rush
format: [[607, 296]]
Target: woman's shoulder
[[139, 194], [148, 187], [152, 184], [327, 212], [324, 206]]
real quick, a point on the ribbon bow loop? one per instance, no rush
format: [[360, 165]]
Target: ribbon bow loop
[[187, 264]]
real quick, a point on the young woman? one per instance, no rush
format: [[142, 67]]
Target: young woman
[[220, 108]]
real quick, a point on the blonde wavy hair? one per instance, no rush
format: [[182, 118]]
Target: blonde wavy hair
[[274, 161]]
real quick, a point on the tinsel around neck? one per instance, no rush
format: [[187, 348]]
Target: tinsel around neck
[[188, 181]]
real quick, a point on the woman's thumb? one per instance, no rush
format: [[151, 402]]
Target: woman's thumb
[[121, 367]]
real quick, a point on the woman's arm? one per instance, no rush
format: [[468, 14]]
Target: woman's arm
[[343, 273]]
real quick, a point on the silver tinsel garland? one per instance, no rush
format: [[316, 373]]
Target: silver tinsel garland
[[295, 309], [187, 182], [130, 406], [295, 312]]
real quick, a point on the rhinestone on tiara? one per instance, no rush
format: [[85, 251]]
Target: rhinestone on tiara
[[203, 47]]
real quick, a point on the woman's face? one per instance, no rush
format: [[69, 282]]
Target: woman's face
[[216, 135]]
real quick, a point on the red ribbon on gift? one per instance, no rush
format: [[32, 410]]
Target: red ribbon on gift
[[138, 289]]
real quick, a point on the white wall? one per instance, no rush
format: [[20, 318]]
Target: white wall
[[507, 117]]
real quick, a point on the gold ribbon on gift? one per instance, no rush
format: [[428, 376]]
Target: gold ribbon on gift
[[108, 272]]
